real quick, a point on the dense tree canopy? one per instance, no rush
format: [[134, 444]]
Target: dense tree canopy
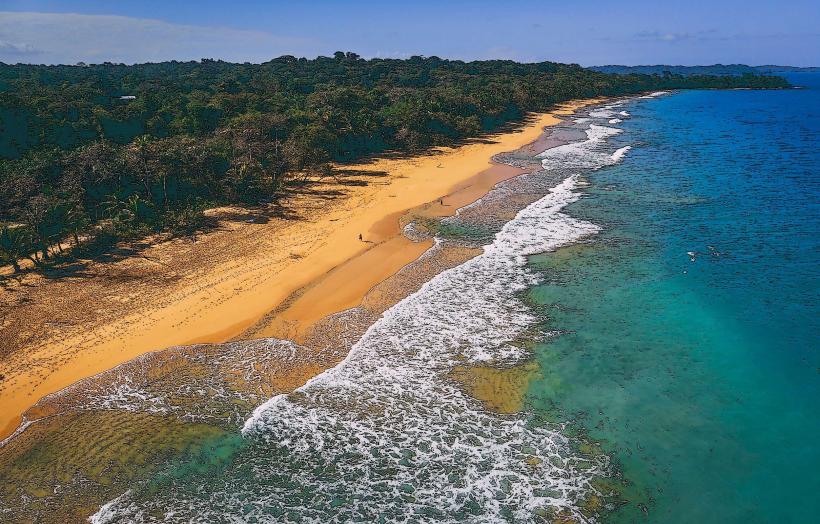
[[96, 153]]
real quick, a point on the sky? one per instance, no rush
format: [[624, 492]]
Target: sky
[[592, 32]]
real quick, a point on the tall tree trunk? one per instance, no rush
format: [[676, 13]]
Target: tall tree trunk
[[165, 192]]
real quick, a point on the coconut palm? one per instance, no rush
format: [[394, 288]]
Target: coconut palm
[[15, 243]]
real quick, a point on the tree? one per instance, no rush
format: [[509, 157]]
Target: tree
[[207, 133], [256, 159], [139, 160], [305, 152], [15, 243], [44, 215]]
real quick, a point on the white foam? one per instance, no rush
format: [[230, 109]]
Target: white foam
[[601, 113], [615, 121], [655, 94], [109, 512], [388, 421], [588, 154], [618, 155], [209, 397]]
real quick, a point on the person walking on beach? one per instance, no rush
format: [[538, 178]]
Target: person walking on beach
[[360, 238]]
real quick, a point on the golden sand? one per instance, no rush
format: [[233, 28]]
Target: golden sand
[[301, 268], [345, 285]]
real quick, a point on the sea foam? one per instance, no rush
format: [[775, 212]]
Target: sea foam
[[589, 154], [386, 433], [605, 112], [655, 94], [618, 155]]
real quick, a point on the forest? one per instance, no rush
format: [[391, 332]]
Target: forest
[[91, 155], [715, 69]]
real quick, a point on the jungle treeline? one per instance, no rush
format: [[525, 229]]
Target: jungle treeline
[[94, 154]]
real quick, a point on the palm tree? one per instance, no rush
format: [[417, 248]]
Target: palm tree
[[141, 151], [76, 221], [15, 243]]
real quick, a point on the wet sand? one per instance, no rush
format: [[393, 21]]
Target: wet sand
[[264, 274]]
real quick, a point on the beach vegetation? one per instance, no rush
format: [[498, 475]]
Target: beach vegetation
[[95, 154]]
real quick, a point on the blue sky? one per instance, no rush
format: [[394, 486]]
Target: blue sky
[[589, 33]]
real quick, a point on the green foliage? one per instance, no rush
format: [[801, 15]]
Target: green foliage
[[15, 243], [78, 161], [716, 69]]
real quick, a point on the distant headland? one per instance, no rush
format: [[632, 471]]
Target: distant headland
[[715, 69]]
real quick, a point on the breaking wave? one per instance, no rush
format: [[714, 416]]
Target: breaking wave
[[618, 155], [589, 154], [386, 434]]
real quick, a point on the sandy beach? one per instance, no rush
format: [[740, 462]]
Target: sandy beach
[[263, 273]]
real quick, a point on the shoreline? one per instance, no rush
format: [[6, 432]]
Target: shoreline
[[346, 285], [334, 275]]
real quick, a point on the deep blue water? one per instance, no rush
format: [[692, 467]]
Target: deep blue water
[[691, 347]]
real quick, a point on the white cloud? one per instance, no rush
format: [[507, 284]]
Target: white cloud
[[15, 48], [52, 38], [662, 37], [659, 36]]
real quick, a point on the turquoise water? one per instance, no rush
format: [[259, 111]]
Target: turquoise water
[[691, 321], [672, 245]]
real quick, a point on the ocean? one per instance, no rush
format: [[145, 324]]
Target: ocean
[[650, 296], [690, 323]]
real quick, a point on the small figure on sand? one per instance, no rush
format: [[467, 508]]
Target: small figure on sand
[[360, 237], [441, 201]]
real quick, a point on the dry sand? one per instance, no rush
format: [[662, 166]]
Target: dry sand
[[264, 273]]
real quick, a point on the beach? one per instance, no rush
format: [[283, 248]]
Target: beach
[[263, 273], [449, 364], [166, 404], [421, 401]]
